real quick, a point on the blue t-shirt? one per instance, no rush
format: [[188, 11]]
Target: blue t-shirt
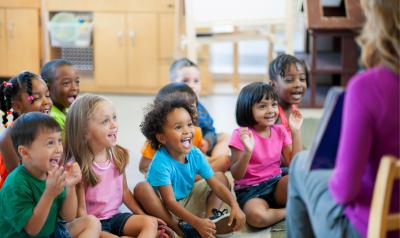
[[164, 170]]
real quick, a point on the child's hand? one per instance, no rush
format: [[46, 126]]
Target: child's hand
[[246, 136], [295, 120], [205, 145], [55, 181], [73, 174], [205, 227], [237, 218]]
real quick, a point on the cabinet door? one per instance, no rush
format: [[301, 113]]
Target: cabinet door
[[3, 44], [23, 40], [142, 50], [109, 38]]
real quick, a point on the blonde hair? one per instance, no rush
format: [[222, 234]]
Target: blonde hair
[[77, 147], [380, 37]]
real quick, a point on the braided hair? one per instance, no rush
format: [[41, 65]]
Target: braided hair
[[10, 89], [280, 65]]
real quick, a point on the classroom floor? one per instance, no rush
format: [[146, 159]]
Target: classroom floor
[[222, 107]]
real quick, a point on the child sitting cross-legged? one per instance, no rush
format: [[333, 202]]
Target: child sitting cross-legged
[[170, 129], [39, 190]]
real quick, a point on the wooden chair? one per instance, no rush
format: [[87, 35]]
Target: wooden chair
[[380, 220]]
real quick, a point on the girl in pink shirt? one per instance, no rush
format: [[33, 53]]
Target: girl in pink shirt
[[256, 148], [91, 136]]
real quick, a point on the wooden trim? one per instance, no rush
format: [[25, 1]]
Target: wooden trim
[[20, 3]]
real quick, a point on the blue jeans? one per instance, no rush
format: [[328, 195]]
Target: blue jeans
[[115, 225], [311, 210], [61, 231]]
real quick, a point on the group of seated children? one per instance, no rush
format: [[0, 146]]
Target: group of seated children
[[66, 174]]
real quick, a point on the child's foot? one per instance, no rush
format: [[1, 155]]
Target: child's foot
[[188, 230], [221, 219], [165, 232]]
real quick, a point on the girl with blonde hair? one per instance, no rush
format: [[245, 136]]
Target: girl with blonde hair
[[91, 139]]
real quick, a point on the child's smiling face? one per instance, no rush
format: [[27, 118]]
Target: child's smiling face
[[44, 153], [40, 102], [265, 112], [64, 87], [177, 135], [292, 87]]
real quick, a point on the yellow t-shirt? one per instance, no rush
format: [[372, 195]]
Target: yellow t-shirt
[[149, 152]]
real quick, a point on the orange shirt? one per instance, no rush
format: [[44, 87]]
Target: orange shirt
[[149, 152]]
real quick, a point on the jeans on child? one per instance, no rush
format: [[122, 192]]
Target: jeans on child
[[61, 231], [310, 209], [264, 190]]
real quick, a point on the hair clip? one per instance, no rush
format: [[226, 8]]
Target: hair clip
[[30, 98], [9, 112], [7, 84]]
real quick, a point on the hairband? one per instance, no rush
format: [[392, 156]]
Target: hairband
[[7, 84]]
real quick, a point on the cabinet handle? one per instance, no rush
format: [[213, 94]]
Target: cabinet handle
[[120, 37], [132, 35], [11, 29], [171, 6]]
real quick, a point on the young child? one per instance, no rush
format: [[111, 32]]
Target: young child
[[63, 83], [39, 190], [169, 128], [256, 154], [26, 92], [91, 135], [289, 78], [185, 71], [219, 163]]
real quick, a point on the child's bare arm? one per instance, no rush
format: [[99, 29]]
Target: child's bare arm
[[144, 165], [70, 205], [10, 156], [129, 200], [225, 195], [240, 159], [80, 190], [54, 186], [205, 227]]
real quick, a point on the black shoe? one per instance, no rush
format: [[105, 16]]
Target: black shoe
[[188, 230]]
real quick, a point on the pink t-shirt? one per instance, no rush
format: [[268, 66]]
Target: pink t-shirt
[[265, 160], [104, 199]]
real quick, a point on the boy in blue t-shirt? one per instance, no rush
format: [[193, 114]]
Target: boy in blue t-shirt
[[39, 191], [169, 128]]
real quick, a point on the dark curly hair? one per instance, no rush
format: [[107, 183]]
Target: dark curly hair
[[280, 65], [157, 114], [9, 91]]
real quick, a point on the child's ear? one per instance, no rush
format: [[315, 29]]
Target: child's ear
[[23, 152], [161, 138]]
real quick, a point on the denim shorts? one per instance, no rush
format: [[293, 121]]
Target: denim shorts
[[115, 225], [61, 231], [264, 190]]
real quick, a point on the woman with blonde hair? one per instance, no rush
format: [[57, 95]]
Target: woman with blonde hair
[[336, 203]]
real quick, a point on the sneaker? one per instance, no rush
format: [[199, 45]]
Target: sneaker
[[188, 230], [221, 219]]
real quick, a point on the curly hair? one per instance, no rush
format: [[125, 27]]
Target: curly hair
[[380, 37], [10, 90], [156, 117], [280, 65]]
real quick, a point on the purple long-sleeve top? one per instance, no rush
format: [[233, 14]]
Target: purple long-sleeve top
[[370, 129]]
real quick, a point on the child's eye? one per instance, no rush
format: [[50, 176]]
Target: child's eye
[[288, 79], [190, 124], [178, 127], [105, 121], [50, 143], [275, 104], [77, 81], [114, 117]]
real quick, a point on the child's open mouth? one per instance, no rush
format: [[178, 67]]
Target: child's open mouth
[[54, 162], [113, 136], [297, 95], [71, 99], [187, 142], [46, 110]]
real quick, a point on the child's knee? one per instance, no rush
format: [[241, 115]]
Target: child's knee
[[150, 222], [142, 188], [92, 222], [223, 179]]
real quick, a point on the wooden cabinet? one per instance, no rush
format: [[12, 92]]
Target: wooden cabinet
[[125, 50], [19, 41], [133, 43]]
